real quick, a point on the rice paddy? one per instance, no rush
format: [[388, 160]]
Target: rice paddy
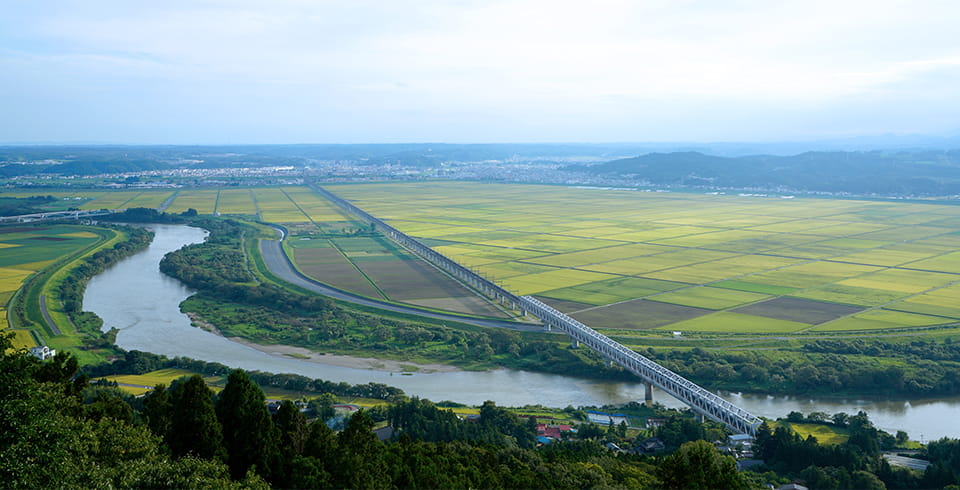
[[25, 250], [607, 254], [713, 262]]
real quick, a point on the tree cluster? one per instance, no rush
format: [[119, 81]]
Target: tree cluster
[[262, 312], [54, 428], [855, 463], [826, 369], [139, 362], [13, 206], [891, 173]]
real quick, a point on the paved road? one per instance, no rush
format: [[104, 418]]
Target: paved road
[[279, 265], [46, 315], [912, 463]]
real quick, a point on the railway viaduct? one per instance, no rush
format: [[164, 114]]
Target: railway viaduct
[[26, 218], [700, 400]]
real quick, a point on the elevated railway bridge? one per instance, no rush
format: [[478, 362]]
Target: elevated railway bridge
[[51, 215], [699, 399]]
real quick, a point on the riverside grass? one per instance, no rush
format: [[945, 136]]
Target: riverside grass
[[28, 249]]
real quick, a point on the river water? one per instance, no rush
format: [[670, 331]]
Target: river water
[[143, 304]]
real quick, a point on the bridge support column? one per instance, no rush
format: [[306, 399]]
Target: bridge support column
[[547, 327], [698, 417], [574, 344], [648, 393]]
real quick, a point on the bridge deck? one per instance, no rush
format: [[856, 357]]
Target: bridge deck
[[699, 399]]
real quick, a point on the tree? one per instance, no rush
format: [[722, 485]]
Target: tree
[[321, 442], [697, 465], [194, 428], [157, 409], [249, 435], [322, 406], [292, 425], [902, 437], [360, 462]]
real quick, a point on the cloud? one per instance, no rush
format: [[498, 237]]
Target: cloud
[[497, 68]]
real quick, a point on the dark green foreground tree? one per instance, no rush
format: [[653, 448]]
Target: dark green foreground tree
[[47, 439], [698, 465], [249, 434]]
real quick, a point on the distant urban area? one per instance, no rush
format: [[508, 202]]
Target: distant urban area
[[893, 173]]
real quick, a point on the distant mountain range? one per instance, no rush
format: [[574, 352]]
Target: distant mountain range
[[900, 171], [920, 173]]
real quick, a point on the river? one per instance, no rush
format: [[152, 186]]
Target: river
[[143, 304]]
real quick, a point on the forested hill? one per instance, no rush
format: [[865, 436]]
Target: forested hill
[[888, 173]]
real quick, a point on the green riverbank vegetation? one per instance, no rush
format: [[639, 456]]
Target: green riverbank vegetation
[[64, 257], [240, 304], [241, 300], [57, 426]]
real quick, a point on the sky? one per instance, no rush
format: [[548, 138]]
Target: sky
[[464, 71]]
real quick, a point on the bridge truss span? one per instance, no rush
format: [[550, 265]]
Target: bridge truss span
[[51, 215], [699, 399]]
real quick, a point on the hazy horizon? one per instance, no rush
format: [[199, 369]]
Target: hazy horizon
[[303, 72]]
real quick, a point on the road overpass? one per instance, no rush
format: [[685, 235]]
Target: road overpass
[[699, 399]]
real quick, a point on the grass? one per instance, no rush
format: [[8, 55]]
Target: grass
[[882, 320], [754, 287], [838, 293], [543, 281], [42, 258], [710, 298], [204, 201], [153, 378], [612, 290], [602, 247], [825, 434], [729, 322], [949, 262], [236, 201], [903, 281], [753, 247], [276, 207], [924, 309]]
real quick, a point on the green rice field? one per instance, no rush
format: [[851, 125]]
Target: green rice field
[[25, 250], [719, 263], [615, 256]]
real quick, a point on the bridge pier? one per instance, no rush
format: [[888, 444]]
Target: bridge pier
[[574, 344], [648, 393], [703, 403]]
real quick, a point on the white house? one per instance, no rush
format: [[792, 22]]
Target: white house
[[42, 352]]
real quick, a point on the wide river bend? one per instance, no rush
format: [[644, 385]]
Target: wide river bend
[[143, 304]]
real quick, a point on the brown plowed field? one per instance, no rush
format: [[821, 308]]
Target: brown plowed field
[[638, 314], [798, 310]]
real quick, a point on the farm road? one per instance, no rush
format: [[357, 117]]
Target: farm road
[[46, 316], [279, 264]]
